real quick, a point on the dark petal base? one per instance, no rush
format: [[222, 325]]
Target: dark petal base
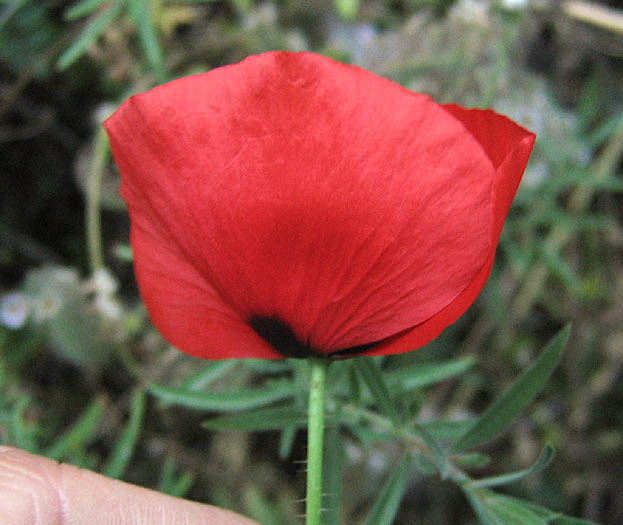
[[278, 334]]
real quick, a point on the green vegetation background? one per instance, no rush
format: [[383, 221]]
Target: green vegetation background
[[77, 373]]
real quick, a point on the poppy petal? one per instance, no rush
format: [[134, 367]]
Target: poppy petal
[[298, 201], [509, 147]]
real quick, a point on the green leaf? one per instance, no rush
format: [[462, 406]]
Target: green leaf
[[124, 448], [419, 376], [80, 433], [82, 8], [286, 441], [23, 432], [90, 33], [259, 506], [259, 420], [208, 374], [512, 402], [369, 371], [437, 455], [471, 459], [140, 11], [567, 520], [515, 511], [300, 380], [485, 514], [171, 484], [244, 399], [334, 455], [388, 502], [543, 461], [447, 431], [559, 267], [269, 366]]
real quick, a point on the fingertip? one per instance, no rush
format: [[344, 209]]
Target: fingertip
[[40, 491]]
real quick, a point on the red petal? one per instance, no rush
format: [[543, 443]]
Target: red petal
[[509, 147], [293, 187]]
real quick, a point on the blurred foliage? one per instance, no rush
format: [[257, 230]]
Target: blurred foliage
[[85, 378]]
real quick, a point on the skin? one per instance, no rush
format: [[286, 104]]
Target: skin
[[39, 491]]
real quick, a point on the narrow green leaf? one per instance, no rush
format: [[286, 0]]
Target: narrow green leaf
[[471, 459], [208, 374], [388, 502], [22, 431], [354, 385], [567, 520], [171, 484], [369, 371], [334, 455], [419, 376], [259, 420], [90, 33], [124, 448], [286, 441], [484, 513], [514, 511], [82, 8], [512, 402], [447, 432], [224, 400], [559, 267], [259, 506], [543, 461], [140, 11], [300, 377], [80, 433], [606, 130], [269, 366], [437, 455]]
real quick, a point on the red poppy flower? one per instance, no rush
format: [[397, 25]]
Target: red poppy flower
[[290, 205]]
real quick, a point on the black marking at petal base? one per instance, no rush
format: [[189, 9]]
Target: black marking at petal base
[[353, 351], [279, 335], [356, 351]]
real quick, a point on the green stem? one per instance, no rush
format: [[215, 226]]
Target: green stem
[[315, 432], [94, 188]]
